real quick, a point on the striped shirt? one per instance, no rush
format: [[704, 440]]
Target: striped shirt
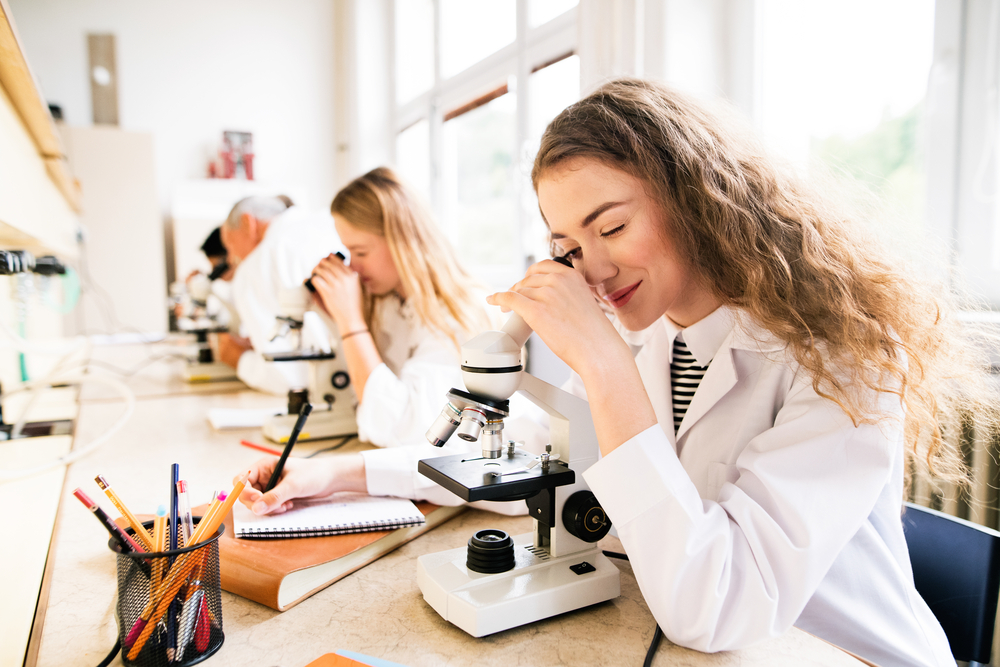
[[685, 376]]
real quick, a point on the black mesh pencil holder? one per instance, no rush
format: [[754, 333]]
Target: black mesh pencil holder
[[170, 604]]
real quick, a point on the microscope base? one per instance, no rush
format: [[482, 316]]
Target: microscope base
[[208, 372], [537, 588], [321, 424]]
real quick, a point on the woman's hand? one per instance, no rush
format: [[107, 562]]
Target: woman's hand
[[338, 290], [301, 479], [560, 307], [558, 304], [229, 348]]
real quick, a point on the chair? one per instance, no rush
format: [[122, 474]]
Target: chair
[[956, 569]]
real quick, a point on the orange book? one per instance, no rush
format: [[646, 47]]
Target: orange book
[[280, 573]]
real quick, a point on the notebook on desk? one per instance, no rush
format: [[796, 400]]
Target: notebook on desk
[[280, 573], [341, 514]]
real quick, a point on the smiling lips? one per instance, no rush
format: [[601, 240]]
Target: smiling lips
[[623, 296]]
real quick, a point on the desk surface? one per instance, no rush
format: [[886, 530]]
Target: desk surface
[[377, 611]]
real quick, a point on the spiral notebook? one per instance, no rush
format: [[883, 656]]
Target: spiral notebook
[[338, 515]]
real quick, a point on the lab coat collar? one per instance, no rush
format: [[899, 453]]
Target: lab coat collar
[[705, 337], [713, 339]]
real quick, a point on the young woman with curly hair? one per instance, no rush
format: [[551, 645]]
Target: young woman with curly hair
[[765, 379]]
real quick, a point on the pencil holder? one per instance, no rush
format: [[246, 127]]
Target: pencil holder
[[169, 604]]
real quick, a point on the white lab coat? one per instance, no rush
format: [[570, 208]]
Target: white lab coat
[[769, 509], [402, 398], [292, 246]]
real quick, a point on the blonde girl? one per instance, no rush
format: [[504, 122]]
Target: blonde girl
[[402, 305]]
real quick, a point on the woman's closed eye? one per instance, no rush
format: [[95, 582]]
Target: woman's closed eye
[[614, 231]]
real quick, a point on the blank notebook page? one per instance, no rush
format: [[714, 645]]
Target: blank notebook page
[[338, 514]]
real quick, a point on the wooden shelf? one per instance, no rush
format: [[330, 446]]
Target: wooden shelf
[[39, 199]]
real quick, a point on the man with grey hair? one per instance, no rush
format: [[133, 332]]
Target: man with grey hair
[[275, 248]]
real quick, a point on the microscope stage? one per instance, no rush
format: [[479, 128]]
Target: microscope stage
[[299, 355], [474, 478]]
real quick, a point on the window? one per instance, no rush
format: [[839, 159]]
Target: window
[[413, 156], [474, 29], [478, 156], [552, 89], [414, 48], [543, 11], [842, 92], [470, 135]]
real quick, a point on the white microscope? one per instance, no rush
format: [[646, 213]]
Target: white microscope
[[328, 389], [190, 304], [500, 582]]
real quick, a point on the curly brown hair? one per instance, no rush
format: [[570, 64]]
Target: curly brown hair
[[777, 252]]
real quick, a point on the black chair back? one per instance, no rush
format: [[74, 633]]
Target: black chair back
[[956, 569]]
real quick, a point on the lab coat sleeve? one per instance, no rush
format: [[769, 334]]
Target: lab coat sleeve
[[273, 378], [397, 410], [723, 574]]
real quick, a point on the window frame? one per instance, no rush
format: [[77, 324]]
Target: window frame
[[495, 75]]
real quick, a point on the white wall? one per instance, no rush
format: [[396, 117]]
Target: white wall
[[188, 70]]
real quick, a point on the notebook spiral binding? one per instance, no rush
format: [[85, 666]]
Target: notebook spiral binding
[[322, 531]]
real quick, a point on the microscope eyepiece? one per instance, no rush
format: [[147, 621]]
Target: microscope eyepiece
[[309, 281]]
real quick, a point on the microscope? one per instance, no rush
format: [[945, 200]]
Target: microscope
[[499, 582], [328, 388], [192, 313]]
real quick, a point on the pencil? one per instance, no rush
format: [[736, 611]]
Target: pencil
[[280, 465], [260, 448], [137, 527], [159, 543], [127, 543]]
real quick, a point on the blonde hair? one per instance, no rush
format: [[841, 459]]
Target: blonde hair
[[441, 291], [775, 251]]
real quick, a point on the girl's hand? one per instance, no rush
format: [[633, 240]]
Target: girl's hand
[[301, 479], [559, 306], [338, 290]]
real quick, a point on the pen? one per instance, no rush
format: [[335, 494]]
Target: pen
[[137, 527], [261, 448], [203, 628], [189, 612], [184, 507], [280, 465], [175, 473], [174, 478], [127, 543]]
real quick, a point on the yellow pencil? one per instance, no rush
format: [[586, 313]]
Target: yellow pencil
[[137, 527], [159, 545]]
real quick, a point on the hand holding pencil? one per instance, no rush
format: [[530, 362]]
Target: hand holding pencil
[[302, 479]]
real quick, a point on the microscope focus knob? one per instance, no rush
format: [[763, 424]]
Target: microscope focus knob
[[584, 517], [340, 380]]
